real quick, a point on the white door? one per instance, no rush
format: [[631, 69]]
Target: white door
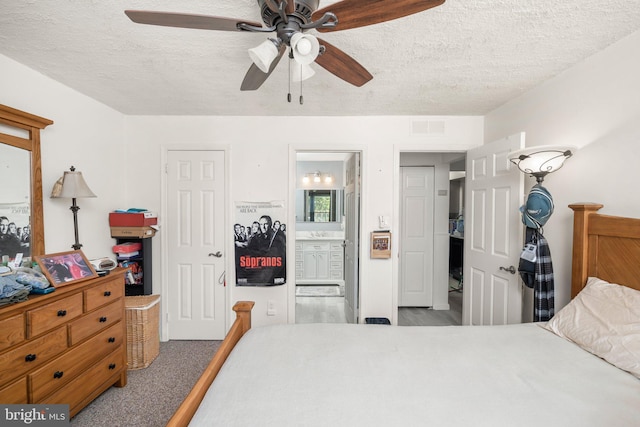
[[352, 237], [416, 236], [195, 233], [492, 235]]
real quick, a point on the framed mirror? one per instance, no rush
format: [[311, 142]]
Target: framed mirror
[[21, 206], [319, 205]]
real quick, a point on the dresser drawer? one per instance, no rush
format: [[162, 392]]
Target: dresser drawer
[[99, 377], [11, 331], [336, 256], [53, 314], [33, 354], [14, 393], [93, 322], [58, 372], [103, 294], [316, 246]]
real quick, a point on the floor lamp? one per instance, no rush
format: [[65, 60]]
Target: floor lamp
[[72, 186]]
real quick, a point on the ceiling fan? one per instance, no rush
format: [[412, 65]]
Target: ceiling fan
[[290, 20]]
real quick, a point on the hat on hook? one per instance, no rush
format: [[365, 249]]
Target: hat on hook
[[538, 208]]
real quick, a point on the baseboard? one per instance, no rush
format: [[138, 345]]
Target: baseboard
[[441, 307]]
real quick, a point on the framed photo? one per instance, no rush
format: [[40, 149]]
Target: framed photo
[[65, 268], [380, 244]]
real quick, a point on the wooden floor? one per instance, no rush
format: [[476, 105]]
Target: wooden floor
[[419, 316], [331, 310]]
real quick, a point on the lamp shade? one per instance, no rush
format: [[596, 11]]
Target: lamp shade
[[264, 54], [71, 186], [300, 72], [541, 160], [305, 48]]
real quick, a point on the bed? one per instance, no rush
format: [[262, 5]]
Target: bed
[[581, 368]]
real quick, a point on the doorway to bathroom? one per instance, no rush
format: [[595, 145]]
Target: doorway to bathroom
[[327, 240]]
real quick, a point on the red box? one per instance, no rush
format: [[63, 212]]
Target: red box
[[127, 247], [132, 219]]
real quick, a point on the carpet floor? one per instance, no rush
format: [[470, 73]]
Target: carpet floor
[[152, 394]]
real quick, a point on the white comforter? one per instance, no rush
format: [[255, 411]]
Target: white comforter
[[377, 375]]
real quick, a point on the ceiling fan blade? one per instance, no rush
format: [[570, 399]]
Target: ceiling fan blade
[[185, 20], [272, 5], [255, 77], [360, 13], [342, 65], [291, 7]]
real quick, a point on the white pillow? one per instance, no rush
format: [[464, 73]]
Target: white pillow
[[604, 319]]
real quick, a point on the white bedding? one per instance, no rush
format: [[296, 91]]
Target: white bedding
[[377, 375]]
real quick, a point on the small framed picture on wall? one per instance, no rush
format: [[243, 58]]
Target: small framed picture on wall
[[381, 244]]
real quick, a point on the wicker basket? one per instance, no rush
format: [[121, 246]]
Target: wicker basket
[[143, 340]]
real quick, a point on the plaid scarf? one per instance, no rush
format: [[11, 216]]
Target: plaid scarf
[[543, 285]]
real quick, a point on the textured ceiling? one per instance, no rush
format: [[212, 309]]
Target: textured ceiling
[[461, 58]]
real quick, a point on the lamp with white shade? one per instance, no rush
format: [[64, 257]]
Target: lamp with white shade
[[541, 160], [72, 186]]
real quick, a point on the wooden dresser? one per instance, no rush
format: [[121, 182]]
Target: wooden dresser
[[65, 347]]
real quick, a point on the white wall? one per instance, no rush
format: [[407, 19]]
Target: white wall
[[594, 106], [273, 161], [85, 134]]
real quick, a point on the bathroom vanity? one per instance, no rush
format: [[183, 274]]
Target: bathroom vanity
[[319, 260]]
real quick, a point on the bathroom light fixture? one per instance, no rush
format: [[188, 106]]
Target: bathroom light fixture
[[541, 160], [72, 186], [318, 178]]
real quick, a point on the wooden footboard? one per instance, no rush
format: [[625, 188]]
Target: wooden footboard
[[190, 404]]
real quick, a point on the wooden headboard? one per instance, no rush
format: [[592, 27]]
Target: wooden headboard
[[607, 247]]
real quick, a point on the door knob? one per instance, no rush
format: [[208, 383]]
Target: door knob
[[217, 254], [511, 269]]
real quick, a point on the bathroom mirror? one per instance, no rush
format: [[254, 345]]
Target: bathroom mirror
[[21, 204], [319, 205]]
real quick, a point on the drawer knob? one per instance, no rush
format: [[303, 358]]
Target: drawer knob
[[103, 319], [112, 339], [30, 357], [62, 313], [112, 366], [58, 374], [107, 293]]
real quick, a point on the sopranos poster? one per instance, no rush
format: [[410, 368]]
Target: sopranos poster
[[260, 244]]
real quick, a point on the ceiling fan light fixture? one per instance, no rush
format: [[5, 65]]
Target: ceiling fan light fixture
[[264, 54], [305, 48], [301, 72]]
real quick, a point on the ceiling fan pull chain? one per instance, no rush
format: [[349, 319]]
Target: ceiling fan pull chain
[[301, 97], [290, 59]]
